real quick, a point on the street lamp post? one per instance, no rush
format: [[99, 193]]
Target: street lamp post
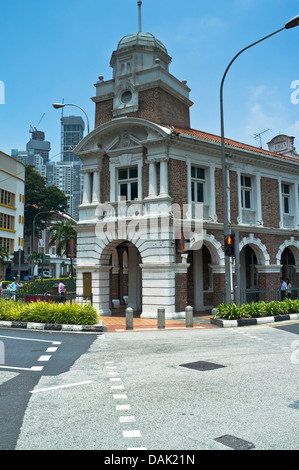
[[290, 24], [62, 105], [33, 230]]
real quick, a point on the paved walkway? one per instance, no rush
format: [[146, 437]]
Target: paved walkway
[[118, 323]]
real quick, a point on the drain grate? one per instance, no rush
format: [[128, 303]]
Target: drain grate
[[294, 405], [235, 442], [202, 365]]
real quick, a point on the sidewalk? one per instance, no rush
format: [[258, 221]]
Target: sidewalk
[[118, 324]]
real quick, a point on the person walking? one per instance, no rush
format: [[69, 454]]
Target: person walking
[[289, 288], [283, 288], [13, 289], [61, 291]]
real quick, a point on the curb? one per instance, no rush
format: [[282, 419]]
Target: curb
[[98, 328], [253, 321]]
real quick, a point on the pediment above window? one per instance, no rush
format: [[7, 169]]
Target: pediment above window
[[124, 135], [123, 141]]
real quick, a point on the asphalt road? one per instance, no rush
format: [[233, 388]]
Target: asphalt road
[[28, 355], [187, 390]]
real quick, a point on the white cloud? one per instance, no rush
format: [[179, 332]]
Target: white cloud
[[256, 91]]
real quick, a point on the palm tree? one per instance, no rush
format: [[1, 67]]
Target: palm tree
[[60, 234], [36, 259]]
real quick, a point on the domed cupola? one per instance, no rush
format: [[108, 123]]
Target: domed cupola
[[144, 48], [142, 85]]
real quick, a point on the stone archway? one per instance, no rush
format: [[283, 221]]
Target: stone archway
[[293, 246], [121, 283], [200, 279], [248, 270], [288, 266], [260, 250]]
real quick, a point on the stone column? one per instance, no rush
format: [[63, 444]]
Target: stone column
[[164, 177], [152, 184], [86, 188], [96, 188], [218, 272], [133, 284]]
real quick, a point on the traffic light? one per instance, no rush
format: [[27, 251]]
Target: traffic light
[[229, 245]]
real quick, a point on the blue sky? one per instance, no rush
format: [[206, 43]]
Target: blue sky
[[56, 49]]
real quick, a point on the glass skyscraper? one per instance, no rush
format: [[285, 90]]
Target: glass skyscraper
[[72, 131]]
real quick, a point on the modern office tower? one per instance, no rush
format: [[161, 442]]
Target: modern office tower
[[72, 131], [36, 153], [67, 177], [39, 145], [30, 158]]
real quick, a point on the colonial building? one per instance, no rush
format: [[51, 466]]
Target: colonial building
[[12, 202], [149, 181]]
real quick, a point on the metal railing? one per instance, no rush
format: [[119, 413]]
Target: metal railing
[[70, 298], [247, 296]]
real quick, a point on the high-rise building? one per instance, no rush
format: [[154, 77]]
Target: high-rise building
[[36, 153], [72, 131], [38, 145], [67, 177]]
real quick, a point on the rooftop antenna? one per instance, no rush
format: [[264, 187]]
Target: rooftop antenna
[[139, 3], [258, 136]]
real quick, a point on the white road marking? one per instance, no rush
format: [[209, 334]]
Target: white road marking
[[123, 407], [61, 386], [117, 387], [127, 419], [51, 349], [115, 379], [120, 397], [44, 358], [34, 368], [30, 339], [134, 433]]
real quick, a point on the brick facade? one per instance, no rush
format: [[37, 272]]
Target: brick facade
[[155, 105], [152, 133]]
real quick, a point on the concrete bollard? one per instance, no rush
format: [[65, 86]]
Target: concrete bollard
[[189, 317], [129, 319], [161, 318]]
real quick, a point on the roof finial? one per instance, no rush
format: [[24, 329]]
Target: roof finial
[[139, 3]]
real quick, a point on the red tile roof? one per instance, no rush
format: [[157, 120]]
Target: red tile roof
[[231, 143]]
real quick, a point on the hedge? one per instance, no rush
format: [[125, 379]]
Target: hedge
[[39, 286], [44, 312], [257, 309]]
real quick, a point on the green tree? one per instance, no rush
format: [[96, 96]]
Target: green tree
[[60, 233], [41, 198], [37, 259], [4, 255]]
